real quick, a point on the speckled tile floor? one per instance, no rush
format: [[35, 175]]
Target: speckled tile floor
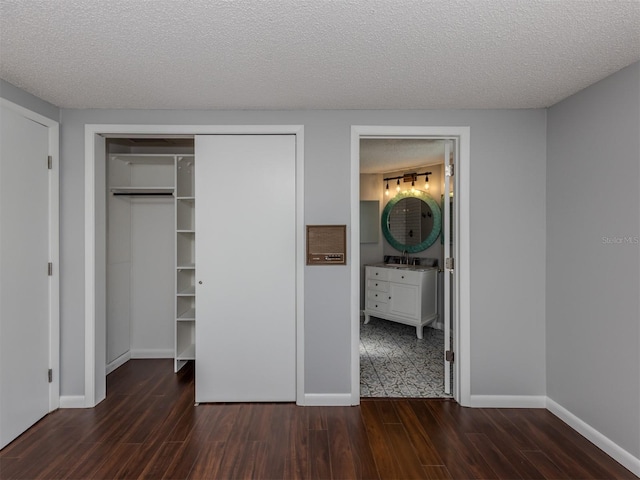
[[395, 363]]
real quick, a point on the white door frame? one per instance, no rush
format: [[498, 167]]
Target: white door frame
[[462, 389], [95, 277], [54, 244]]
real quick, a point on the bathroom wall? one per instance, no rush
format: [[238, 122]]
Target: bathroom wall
[[436, 187], [593, 257], [371, 189]]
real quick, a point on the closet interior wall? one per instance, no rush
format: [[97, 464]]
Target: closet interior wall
[[141, 247]]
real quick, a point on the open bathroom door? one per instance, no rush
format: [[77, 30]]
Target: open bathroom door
[[449, 263]]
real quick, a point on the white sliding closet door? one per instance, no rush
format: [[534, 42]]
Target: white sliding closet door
[[245, 268], [24, 284]]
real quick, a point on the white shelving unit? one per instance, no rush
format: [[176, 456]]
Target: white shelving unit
[[185, 309]]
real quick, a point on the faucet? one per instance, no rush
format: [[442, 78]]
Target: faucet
[[405, 257]]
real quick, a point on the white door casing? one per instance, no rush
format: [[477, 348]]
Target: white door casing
[[29, 338], [460, 136], [245, 268]]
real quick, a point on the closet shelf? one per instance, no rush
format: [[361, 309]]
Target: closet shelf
[[188, 291], [143, 191], [145, 158], [188, 315]]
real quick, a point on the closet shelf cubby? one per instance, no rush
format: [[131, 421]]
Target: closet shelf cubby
[[189, 315], [187, 292], [188, 353]]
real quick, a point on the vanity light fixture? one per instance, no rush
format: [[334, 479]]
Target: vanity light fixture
[[408, 177]]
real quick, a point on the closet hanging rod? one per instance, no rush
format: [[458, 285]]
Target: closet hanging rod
[[143, 194]]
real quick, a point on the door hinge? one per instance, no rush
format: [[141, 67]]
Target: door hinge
[[50, 375], [449, 356], [49, 162], [449, 263], [50, 269], [449, 171]]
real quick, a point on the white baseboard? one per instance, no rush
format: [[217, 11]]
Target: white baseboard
[[508, 401], [118, 362], [327, 399], [152, 353], [605, 444], [72, 401]]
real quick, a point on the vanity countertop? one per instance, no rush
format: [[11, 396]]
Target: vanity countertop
[[403, 266]]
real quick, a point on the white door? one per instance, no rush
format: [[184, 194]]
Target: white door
[[449, 271], [24, 282], [245, 268]]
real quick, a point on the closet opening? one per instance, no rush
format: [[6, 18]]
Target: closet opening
[[150, 242]]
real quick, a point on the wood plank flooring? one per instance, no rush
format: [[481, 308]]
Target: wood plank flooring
[[148, 428]]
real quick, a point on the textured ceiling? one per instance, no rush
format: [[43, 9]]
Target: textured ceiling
[[314, 54], [383, 155]]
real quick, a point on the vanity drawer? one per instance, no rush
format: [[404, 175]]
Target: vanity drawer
[[404, 276], [377, 285], [377, 296], [374, 306], [377, 273]]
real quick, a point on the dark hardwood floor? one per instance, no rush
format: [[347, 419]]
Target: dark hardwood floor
[[149, 428]]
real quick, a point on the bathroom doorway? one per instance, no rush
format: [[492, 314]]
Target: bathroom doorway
[[408, 328]]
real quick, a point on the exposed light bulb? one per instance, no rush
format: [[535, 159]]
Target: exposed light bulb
[[413, 187], [398, 185], [426, 182]]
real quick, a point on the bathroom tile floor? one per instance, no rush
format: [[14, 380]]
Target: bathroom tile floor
[[395, 363]]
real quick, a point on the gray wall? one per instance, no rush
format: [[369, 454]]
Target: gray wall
[[508, 151], [593, 204], [14, 94]]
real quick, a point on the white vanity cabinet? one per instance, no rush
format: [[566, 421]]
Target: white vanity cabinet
[[403, 295]]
